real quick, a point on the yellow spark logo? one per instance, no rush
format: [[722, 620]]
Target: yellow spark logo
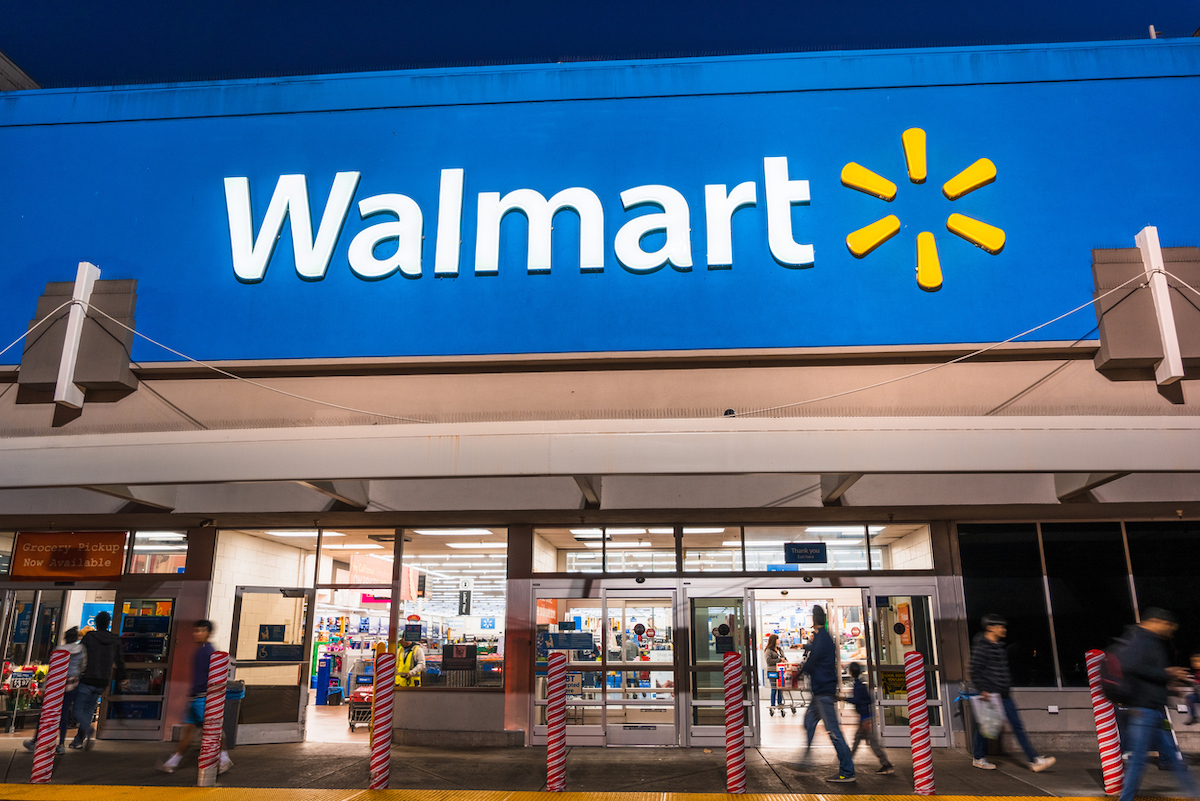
[[929, 269]]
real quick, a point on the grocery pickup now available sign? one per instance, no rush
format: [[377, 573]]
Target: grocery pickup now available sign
[[68, 555]]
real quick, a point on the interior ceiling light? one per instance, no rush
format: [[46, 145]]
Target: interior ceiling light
[[160, 536], [477, 544], [626, 531], [157, 548], [756, 544], [704, 531], [619, 546], [661, 530], [311, 534], [345, 546], [587, 532], [453, 532], [842, 529]]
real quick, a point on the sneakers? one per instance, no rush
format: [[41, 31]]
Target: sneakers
[[88, 743], [225, 764], [170, 764], [76, 744], [1041, 763], [885, 770], [982, 764], [841, 778], [29, 744]]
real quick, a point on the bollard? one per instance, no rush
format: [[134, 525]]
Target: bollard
[[735, 720], [381, 720], [918, 723], [214, 719], [1107, 733], [556, 724], [51, 717]]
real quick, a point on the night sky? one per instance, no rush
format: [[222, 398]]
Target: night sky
[[78, 42]]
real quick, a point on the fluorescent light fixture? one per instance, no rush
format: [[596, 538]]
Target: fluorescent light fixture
[[619, 546], [301, 534], [842, 529], [626, 531], [160, 536], [157, 548], [342, 546], [453, 532], [661, 530], [587, 532], [497, 556], [758, 544], [704, 531], [477, 544]]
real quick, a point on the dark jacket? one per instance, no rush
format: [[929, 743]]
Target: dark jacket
[[989, 665], [103, 654], [1144, 664], [862, 699], [821, 664]]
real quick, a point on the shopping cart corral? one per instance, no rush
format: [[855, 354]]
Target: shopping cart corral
[[796, 695]]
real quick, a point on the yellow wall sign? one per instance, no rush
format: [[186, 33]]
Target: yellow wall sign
[[929, 268]]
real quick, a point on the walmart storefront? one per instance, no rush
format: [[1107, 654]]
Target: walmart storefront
[[517, 351]]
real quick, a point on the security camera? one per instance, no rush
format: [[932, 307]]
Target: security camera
[[808, 579], [640, 579]]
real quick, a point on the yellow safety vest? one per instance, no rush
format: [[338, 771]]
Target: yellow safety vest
[[404, 665]]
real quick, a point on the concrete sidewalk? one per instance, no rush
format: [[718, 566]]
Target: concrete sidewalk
[[650, 770]]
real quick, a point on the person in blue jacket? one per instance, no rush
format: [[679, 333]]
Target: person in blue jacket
[[821, 667], [866, 721]]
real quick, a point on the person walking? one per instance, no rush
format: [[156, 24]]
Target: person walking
[[772, 657], [103, 650], [866, 721], [822, 670], [991, 676], [194, 717], [1144, 665], [75, 666]]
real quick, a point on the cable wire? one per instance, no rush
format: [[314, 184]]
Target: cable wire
[[35, 327], [267, 387], [962, 358]]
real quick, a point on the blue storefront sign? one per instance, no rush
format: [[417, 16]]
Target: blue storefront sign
[[805, 553], [88, 614], [777, 194], [487, 622]]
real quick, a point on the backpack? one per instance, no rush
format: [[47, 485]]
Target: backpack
[[1117, 687]]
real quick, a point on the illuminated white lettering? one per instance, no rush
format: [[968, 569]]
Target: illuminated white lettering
[[718, 209], [674, 219], [782, 193], [406, 230], [540, 214]]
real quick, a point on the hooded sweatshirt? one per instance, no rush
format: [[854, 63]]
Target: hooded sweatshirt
[[75, 664], [1144, 662], [103, 654], [989, 665]]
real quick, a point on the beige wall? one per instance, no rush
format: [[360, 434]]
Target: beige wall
[[245, 560]]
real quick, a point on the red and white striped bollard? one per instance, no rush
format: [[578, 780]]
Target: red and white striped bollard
[[51, 717], [556, 724], [918, 723], [214, 719], [1107, 733], [381, 720], [735, 721]]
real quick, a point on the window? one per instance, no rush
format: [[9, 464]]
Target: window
[[613, 549], [901, 547], [1002, 574], [844, 547], [1164, 557], [159, 552], [712, 549], [1089, 591]]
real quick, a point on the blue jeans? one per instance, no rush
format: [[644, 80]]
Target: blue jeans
[[87, 698], [824, 709], [1014, 720], [776, 696], [1144, 728]]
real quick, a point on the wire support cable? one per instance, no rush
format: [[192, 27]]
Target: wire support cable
[[34, 327]]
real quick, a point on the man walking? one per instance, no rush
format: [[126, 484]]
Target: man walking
[[821, 667], [991, 676], [103, 651], [193, 719], [1146, 672]]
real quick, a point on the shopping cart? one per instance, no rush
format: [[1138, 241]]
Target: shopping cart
[[787, 677], [360, 704]]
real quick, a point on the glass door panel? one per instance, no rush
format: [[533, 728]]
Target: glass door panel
[[712, 620], [639, 692], [902, 624], [585, 671]]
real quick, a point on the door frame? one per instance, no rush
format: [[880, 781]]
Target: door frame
[[263, 733]]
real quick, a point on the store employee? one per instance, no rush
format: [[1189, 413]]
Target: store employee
[[410, 664]]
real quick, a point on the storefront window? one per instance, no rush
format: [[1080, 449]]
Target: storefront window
[[615, 549], [159, 552], [7, 538], [901, 547], [712, 549], [823, 547], [1089, 591], [1164, 557], [1002, 574]]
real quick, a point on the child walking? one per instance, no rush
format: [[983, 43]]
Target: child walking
[[866, 726]]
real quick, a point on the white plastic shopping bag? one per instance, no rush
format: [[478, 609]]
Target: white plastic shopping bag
[[989, 714]]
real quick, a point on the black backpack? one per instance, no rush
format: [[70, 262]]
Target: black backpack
[[1117, 687]]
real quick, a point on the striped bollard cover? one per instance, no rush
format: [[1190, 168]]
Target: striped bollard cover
[[918, 723], [556, 724], [1107, 732], [214, 719], [735, 721], [52, 701], [381, 720]]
